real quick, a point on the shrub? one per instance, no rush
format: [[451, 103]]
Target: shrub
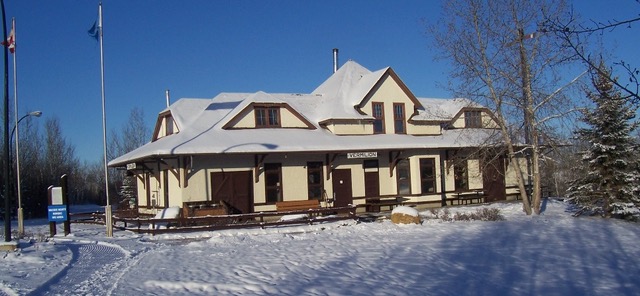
[[483, 214]]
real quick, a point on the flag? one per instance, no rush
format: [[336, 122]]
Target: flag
[[530, 36], [11, 41], [94, 31]]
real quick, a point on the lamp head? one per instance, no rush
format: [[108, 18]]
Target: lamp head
[[35, 113]]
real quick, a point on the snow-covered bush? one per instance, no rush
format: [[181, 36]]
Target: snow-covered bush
[[484, 214]]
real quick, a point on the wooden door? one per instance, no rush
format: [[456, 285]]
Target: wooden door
[[234, 188], [371, 184], [372, 189], [493, 180], [342, 191]]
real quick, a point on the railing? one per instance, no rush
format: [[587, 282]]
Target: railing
[[210, 223], [87, 217]]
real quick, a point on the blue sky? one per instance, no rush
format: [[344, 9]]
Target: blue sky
[[200, 48]]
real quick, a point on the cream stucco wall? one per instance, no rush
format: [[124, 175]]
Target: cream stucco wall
[[244, 119], [162, 130], [422, 129], [360, 128]]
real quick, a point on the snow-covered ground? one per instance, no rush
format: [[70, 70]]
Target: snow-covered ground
[[550, 254]]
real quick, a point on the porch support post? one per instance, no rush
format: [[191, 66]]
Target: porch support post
[[329, 161], [259, 162], [393, 161]]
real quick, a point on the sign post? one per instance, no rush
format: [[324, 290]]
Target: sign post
[[58, 210], [65, 202]]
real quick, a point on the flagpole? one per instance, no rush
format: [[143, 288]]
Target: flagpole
[[15, 102], [107, 209], [7, 167]]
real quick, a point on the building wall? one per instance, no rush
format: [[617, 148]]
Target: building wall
[[422, 129], [360, 128], [294, 177]]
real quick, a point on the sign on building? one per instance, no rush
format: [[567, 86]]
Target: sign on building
[[362, 155]]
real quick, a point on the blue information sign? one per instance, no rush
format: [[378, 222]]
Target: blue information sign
[[57, 213]]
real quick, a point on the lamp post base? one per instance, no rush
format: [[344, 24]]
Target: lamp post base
[[108, 220], [20, 223]]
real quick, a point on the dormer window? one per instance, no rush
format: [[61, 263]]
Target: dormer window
[[378, 115], [267, 117], [473, 119]]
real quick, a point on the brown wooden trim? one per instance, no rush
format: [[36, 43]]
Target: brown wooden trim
[[161, 116], [346, 120], [393, 161], [384, 126], [427, 122], [258, 163], [329, 163], [404, 118]]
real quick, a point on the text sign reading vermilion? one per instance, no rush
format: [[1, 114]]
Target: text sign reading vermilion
[[362, 155]]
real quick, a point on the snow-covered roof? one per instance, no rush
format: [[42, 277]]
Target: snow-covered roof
[[202, 122], [442, 109]]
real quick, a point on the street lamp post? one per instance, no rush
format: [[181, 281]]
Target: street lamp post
[[19, 190]]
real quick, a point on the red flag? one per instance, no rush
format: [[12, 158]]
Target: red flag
[[11, 41]]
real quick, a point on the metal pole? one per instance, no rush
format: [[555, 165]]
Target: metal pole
[[15, 100], [107, 210], [7, 166]]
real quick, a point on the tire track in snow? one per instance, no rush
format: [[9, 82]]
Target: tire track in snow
[[89, 272]]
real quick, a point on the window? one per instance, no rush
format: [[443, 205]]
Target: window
[[370, 164], [314, 180], [398, 118], [461, 175], [267, 116], [273, 182], [473, 119], [428, 175], [168, 121], [403, 175], [378, 115]]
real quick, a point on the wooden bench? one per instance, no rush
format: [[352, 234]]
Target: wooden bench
[[373, 204], [468, 197], [297, 205]]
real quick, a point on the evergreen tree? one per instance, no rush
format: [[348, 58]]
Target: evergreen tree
[[128, 190], [610, 185]]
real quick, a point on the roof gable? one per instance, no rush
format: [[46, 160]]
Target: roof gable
[[378, 79]]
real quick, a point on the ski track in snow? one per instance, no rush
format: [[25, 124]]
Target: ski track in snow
[[90, 271]]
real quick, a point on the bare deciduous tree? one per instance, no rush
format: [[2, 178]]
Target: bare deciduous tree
[[500, 60], [575, 33]]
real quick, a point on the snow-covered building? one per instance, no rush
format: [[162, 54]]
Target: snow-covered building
[[358, 137]]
